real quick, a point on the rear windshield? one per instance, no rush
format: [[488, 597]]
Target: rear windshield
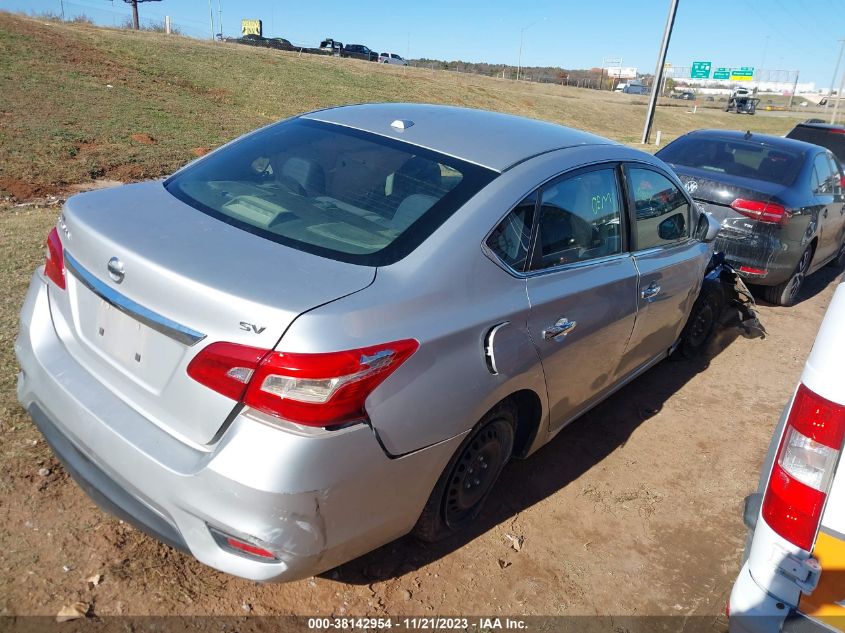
[[830, 138], [735, 158], [329, 190]]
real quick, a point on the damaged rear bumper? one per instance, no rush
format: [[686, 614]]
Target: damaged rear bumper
[[761, 257], [314, 501]]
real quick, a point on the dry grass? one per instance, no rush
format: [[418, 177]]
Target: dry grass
[[82, 102]]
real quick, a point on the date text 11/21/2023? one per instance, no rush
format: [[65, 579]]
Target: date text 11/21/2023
[[432, 623]]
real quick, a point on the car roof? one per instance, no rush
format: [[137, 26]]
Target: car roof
[[824, 126], [490, 139], [780, 142]]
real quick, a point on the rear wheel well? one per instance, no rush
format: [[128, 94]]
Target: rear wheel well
[[529, 412]]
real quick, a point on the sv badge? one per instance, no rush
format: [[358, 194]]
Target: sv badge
[[251, 327]]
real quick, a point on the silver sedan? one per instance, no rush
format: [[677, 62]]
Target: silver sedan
[[338, 329]]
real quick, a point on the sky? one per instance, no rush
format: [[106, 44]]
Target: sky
[[800, 35]]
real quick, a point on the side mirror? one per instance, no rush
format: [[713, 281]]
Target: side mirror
[[672, 228], [708, 228]]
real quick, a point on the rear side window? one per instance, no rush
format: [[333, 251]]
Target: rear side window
[[735, 158], [580, 219], [823, 181], [510, 241], [329, 190], [662, 211]]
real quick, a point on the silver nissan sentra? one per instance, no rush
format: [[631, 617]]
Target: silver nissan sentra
[[337, 329]]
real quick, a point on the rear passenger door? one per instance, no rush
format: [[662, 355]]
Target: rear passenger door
[[582, 286], [670, 262], [828, 198]]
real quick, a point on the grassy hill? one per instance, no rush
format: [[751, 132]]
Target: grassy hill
[[81, 102]]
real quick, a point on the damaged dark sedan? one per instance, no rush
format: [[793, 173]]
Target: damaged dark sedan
[[780, 203]]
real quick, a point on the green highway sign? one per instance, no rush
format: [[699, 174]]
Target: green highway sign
[[722, 73], [746, 73], [700, 70]]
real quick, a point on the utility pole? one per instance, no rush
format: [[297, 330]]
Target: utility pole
[[211, 16], [658, 72], [765, 50], [220, 17], [836, 105], [794, 88], [62, 5], [835, 74], [521, 34]]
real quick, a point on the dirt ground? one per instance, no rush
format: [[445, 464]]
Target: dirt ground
[[635, 509]]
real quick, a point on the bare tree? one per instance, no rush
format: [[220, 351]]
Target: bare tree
[[135, 24]]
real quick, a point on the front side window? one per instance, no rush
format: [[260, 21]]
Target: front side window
[[329, 190], [661, 209], [580, 219]]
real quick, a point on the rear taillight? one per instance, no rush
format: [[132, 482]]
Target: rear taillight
[[751, 270], [322, 390], [761, 211], [226, 367], [802, 474], [54, 265]]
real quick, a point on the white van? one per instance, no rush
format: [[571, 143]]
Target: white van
[[793, 576]]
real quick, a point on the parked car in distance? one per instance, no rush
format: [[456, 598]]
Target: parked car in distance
[[359, 51], [819, 133], [280, 43], [636, 89], [791, 577], [331, 46], [780, 203], [391, 58], [742, 101], [686, 95], [251, 39], [370, 310]]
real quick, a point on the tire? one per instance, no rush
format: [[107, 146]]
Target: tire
[[469, 476], [786, 293], [701, 323]]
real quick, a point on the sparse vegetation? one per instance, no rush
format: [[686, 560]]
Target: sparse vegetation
[[73, 97]]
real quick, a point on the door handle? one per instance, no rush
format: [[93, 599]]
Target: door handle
[[650, 292], [559, 330]]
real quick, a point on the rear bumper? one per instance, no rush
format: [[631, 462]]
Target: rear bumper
[[314, 501], [763, 251], [753, 610]]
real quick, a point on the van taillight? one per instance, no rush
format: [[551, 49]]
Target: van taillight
[[803, 471], [54, 265], [761, 211], [323, 390]]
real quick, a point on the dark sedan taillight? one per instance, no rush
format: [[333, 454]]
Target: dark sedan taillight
[[769, 212]]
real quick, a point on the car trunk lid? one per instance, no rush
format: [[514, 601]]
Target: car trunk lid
[[740, 236], [188, 280]]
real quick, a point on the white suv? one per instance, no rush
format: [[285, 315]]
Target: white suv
[[391, 58], [793, 577]]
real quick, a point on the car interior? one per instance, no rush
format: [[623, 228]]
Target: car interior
[[340, 192]]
